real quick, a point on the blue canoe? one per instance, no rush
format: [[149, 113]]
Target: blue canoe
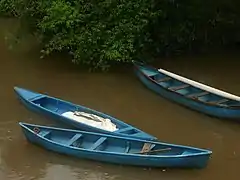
[[56, 108], [115, 149], [189, 93]]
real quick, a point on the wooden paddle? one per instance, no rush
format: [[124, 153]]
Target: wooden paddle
[[153, 151], [147, 149]]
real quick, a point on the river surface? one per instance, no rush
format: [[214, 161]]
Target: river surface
[[119, 94]]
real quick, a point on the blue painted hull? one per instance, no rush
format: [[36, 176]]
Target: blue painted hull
[[187, 157], [30, 100], [211, 110]]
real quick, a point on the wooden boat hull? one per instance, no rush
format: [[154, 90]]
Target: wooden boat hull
[[114, 150], [31, 99], [144, 73]]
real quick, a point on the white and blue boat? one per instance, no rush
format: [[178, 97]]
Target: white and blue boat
[[77, 116], [191, 94]]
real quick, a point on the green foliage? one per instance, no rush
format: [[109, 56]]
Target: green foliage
[[11, 7], [96, 33], [192, 25], [101, 32]]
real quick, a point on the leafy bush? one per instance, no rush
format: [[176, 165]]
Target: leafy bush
[[96, 33], [101, 32], [193, 25], [11, 7]]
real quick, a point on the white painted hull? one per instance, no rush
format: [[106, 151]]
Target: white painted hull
[[201, 86]]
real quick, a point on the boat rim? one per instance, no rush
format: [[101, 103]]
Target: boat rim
[[200, 153], [155, 82], [88, 109]]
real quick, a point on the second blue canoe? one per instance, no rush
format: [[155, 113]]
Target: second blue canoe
[[192, 94], [81, 117]]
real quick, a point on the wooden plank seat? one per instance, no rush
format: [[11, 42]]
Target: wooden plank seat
[[44, 133], [124, 130], [196, 95], [218, 101], [175, 88], [163, 79], [127, 147], [98, 143], [74, 139]]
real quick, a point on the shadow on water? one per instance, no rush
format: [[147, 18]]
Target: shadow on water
[[121, 95]]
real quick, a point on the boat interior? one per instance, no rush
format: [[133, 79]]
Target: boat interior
[[59, 107], [109, 144], [190, 91]]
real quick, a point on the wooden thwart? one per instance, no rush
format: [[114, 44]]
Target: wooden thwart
[[127, 147], [124, 129], [137, 134], [218, 102], [98, 143], [36, 97], [179, 87], [44, 133], [196, 95], [163, 79], [73, 139]]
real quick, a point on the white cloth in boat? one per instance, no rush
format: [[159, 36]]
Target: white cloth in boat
[[91, 120]]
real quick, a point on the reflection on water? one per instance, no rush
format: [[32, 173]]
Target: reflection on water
[[123, 96], [59, 172]]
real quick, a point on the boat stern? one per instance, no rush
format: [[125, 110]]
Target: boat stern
[[144, 69], [27, 132], [26, 94], [197, 157], [25, 126]]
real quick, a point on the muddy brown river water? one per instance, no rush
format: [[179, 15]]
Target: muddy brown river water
[[119, 94]]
